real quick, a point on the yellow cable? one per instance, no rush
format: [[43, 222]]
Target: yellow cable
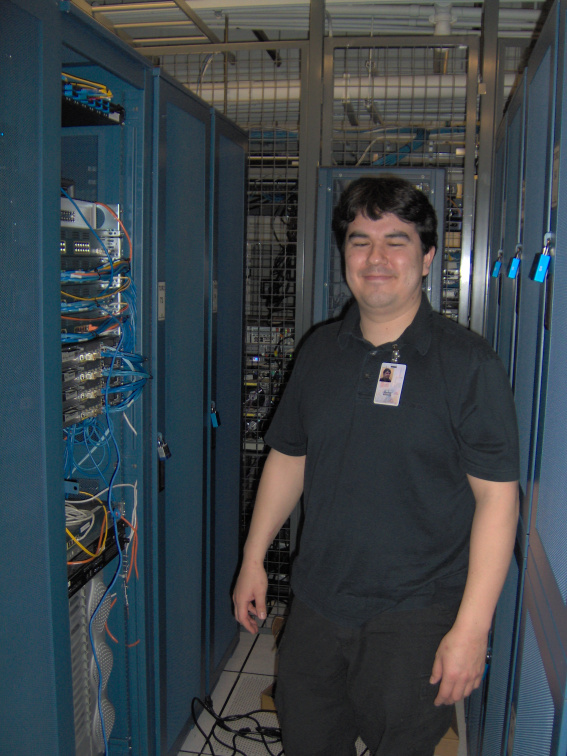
[[102, 296], [79, 544], [90, 84]]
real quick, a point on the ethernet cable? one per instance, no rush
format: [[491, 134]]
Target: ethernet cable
[[78, 209]]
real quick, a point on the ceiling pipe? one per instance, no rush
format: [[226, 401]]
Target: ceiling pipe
[[434, 86], [345, 89], [443, 19]]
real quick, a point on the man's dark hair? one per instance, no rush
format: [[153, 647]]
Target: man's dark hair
[[374, 196]]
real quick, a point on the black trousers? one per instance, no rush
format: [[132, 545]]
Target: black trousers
[[336, 683]]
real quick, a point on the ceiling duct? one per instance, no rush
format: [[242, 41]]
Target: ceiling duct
[[433, 86]]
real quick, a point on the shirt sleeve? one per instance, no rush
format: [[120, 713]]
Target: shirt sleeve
[[488, 430], [286, 433]]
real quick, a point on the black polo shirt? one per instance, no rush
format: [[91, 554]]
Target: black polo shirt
[[387, 504]]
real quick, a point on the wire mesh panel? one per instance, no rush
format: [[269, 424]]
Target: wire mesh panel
[[332, 294], [270, 317], [512, 59], [406, 106], [253, 87], [259, 90]]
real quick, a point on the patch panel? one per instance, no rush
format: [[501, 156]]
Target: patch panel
[[93, 98]]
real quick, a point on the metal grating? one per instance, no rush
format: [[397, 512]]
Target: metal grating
[[406, 106], [332, 289], [254, 88], [398, 106], [270, 315], [512, 59]]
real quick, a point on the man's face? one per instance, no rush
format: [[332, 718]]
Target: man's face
[[385, 265]]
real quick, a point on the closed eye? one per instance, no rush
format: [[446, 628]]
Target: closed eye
[[398, 239]]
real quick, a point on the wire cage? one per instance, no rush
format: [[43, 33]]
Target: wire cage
[[388, 102], [405, 106]]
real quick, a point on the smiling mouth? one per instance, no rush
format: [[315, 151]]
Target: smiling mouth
[[377, 276]]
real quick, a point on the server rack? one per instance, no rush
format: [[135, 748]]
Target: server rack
[[35, 630], [229, 155], [108, 162], [197, 264], [528, 320], [65, 42], [180, 211], [132, 166], [488, 709]]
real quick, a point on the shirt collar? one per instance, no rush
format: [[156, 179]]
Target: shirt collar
[[417, 334]]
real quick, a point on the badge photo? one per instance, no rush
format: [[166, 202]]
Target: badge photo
[[390, 384]]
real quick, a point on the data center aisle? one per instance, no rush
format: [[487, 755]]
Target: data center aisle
[[248, 673]]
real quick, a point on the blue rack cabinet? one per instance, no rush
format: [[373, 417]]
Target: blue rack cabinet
[[177, 172], [180, 210], [198, 238], [36, 699], [229, 147], [527, 713]]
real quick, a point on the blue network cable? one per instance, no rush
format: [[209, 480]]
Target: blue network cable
[[78, 209], [101, 449]]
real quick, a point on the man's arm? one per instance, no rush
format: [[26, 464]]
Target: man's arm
[[281, 486], [461, 656]]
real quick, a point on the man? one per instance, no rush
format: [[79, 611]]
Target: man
[[404, 546]]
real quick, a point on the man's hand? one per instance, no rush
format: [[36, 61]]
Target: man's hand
[[249, 596], [279, 491], [459, 665]]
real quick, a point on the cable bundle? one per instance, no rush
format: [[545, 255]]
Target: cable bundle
[[102, 376]]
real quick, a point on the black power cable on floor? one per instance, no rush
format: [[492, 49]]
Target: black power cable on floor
[[257, 733]]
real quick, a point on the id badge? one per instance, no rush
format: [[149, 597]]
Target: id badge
[[390, 384]]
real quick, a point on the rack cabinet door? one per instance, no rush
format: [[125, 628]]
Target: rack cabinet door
[[36, 695], [229, 157], [181, 197]]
